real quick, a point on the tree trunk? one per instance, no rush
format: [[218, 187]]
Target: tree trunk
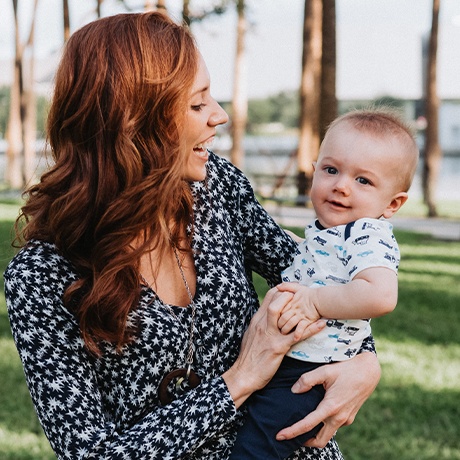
[[309, 96], [13, 173], [161, 5], [66, 18], [433, 153], [21, 132], [98, 8], [240, 100], [186, 12], [29, 120], [328, 103]]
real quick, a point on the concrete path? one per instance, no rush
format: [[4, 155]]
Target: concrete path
[[444, 229]]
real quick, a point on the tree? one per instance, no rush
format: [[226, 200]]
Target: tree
[[240, 99], [161, 5], [66, 18], [21, 131], [186, 12], [99, 8], [309, 95], [433, 153], [328, 99]]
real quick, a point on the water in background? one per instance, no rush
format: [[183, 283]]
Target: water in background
[[268, 156]]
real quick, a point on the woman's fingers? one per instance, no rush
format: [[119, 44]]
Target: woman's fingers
[[348, 384], [305, 329]]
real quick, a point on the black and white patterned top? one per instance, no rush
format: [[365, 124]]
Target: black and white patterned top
[[108, 408]]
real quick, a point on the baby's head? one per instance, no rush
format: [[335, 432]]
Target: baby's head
[[365, 167]]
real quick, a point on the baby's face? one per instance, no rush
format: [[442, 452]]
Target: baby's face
[[357, 175]]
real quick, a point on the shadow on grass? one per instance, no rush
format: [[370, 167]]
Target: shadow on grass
[[424, 314]]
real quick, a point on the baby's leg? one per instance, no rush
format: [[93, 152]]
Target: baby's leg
[[273, 408]]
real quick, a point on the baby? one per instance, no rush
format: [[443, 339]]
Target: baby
[[365, 167]]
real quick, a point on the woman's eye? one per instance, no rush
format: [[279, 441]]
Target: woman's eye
[[198, 108]]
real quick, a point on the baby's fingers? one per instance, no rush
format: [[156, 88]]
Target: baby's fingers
[[287, 323]]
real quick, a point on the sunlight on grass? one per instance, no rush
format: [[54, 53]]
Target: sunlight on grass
[[416, 208], [24, 446], [438, 250], [444, 279], [440, 268], [430, 367], [9, 211]]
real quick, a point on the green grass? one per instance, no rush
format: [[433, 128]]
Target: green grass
[[413, 414], [445, 208], [21, 436]]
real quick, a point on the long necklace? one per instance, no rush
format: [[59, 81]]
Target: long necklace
[[185, 377]]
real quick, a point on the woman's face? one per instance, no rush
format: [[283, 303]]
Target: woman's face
[[202, 117]]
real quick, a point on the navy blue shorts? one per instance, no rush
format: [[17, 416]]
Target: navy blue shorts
[[273, 408]]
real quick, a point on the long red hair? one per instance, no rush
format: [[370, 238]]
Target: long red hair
[[121, 93]]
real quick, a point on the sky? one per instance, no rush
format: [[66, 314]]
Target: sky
[[379, 44]]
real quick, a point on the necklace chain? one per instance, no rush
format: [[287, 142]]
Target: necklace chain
[[189, 359], [184, 378], [190, 347]]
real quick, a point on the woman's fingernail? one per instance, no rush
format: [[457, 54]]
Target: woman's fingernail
[[280, 437], [295, 388]]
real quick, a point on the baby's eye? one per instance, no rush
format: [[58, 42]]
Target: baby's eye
[[363, 180], [331, 170]]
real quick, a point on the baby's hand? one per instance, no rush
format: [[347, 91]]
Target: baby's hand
[[300, 312]]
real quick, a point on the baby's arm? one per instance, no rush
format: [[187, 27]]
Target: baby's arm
[[373, 292]]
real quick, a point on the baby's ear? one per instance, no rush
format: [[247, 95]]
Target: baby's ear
[[396, 202]]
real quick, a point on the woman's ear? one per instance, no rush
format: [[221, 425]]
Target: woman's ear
[[396, 202]]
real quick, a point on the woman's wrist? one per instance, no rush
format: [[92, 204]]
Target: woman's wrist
[[238, 385]]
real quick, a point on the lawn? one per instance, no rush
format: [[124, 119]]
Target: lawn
[[413, 414]]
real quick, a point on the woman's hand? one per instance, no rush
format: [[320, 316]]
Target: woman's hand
[[348, 384], [295, 237], [263, 348]]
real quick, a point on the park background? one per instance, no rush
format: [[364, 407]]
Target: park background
[[414, 412]]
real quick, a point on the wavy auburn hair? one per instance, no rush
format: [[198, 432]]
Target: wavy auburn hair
[[121, 93]]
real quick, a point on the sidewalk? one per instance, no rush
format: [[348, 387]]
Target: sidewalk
[[444, 229]]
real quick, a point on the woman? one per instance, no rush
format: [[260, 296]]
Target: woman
[[131, 295]]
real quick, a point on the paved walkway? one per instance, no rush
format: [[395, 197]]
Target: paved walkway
[[445, 229]]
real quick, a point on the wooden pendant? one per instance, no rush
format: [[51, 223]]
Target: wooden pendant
[[183, 376]]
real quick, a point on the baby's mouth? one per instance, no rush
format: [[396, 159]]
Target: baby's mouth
[[337, 204]]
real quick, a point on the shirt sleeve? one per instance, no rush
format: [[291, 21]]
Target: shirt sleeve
[[267, 248], [372, 244], [64, 386]]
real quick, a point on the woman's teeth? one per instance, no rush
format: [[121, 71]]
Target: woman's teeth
[[201, 149]]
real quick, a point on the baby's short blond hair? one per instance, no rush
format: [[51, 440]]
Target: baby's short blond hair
[[386, 122]]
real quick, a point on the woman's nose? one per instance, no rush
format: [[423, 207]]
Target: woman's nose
[[218, 116]]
